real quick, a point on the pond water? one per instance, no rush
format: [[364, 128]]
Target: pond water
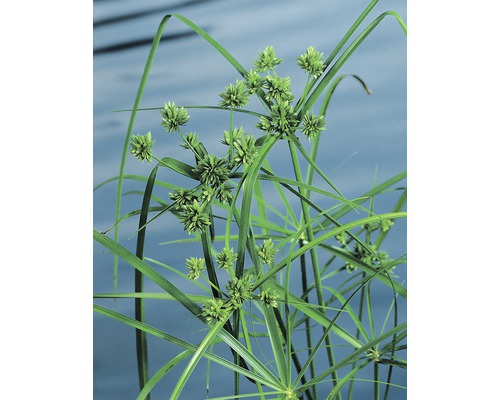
[[368, 133]]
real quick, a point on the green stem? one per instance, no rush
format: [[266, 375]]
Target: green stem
[[305, 295], [314, 256]]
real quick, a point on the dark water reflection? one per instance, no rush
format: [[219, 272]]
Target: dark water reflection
[[368, 134]]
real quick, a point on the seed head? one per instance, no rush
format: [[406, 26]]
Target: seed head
[[142, 147], [212, 170], [195, 266], [236, 133], [278, 88], [267, 251], [266, 60], [173, 117], [223, 193], [191, 141], [245, 150], [226, 258], [254, 81], [283, 118], [194, 217], [214, 310], [235, 96], [313, 125], [182, 197], [269, 297], [312, 62], [239, 290]]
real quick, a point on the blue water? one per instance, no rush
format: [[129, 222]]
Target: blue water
[[366, 139]]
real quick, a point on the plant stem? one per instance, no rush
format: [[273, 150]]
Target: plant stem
[[314, 256]]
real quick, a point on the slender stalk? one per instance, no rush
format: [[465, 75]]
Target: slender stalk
[[376, 383], [314, 257], [305, 290]]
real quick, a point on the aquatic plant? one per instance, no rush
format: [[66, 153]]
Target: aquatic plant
[[320, 331]]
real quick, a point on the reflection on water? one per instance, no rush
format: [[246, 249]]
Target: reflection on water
[[367, 136]]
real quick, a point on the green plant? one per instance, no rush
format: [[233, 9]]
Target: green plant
[[266, 255]]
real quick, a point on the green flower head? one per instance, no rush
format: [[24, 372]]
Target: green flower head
[[312, 125], [363, 253], [142, 147], [267, 251], [269, 298], [312, 62], [235, 96], [342, 238], [173, 117], [182, 197], [206, 193], [194, 217], [195, 266], [214, 310], [245, 150], [278, 88], [226, 258], [386, 224], [236, 133], [254, 81], [212, 170], [281, 120], [223, 193], [240, 290], [266, 60], [373, 354], [190, 141]]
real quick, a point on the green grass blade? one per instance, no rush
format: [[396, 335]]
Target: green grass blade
[[137, 263], [179, 167], [192, 348], [320, 239], [356, 354], [325, 80], [200, 351], [276, 345], [158, 376], [141, 339]]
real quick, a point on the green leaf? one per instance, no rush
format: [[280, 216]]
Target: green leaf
[[137, 263], [181, 382]]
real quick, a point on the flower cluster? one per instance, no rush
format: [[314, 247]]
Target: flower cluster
[[223, 193], [173, 117], [312, 62], [373, 354], [267, 251], [190, 141], [212, 170], [142, 147], [239, 290], [245, 150], [235, 96], [226, 258], [194, 217], [373, 257], [363, 254], [195, 266], [266, 60], [182, 197], [281, 120], [278, 88], [214, 310], [269, 298], [253, 81], [342, 238], [312, 125]]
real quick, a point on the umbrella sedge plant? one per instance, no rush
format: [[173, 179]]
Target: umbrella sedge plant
[[286, 285]]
